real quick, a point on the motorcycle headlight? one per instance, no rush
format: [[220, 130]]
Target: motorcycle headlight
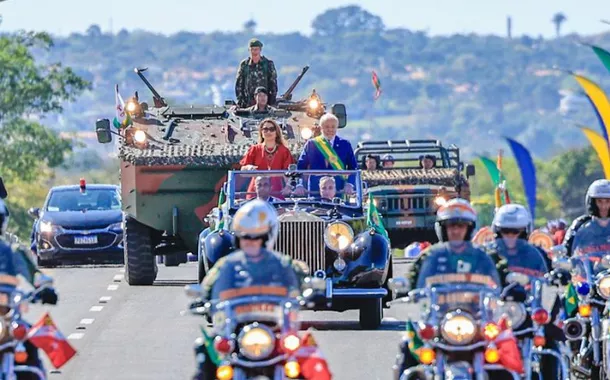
[[338, 236], [603, 287], [256, 341], [515, 312], [458, 328]]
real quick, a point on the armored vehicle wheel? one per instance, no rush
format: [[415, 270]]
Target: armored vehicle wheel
[[171, 260], [371, 314], [140, 265]]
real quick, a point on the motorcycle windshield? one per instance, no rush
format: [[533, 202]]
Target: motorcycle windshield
[[462, 295], [588, 266]]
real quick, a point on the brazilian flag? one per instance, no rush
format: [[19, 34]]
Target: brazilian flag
[[221, 219], [373, 219], [209, 346], [415, 343], [571, 301]]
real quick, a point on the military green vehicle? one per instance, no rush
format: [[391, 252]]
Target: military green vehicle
[[174, 161], [408, 195]]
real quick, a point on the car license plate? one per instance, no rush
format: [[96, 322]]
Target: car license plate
[[85, 239]]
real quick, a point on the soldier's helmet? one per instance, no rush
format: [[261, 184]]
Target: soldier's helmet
[[255, 42], [4, 216], [256, 219], [260, 89], [455, 211], [599, 189], [514, 217]]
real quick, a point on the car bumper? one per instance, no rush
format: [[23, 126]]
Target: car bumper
[[342, 299], [62, 247]]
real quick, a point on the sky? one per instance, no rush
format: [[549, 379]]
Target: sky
[[438, 17]]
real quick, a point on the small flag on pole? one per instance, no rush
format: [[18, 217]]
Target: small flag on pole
[[377, 85], [122, 119]]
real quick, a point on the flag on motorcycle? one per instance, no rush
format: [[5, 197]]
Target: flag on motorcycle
[[571, 302], [122, 118], [313, 364], [377, 85], [46, 336], [373, 219], [208, 342], [221, 219], [506, 342], [414, 341]]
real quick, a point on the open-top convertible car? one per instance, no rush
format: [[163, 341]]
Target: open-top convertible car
[[422, 175], [326, 229]]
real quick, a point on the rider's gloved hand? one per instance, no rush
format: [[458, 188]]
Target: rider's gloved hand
[[516, 294], [199, 302], [560, 277], [47, 296]]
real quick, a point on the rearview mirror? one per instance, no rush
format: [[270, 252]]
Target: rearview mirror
[[193, 291], [339, 111], [102, 129], [399, 285], [470, 170], [518, 278], [34, 212]]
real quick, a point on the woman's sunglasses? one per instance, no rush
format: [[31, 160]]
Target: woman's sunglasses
[[268, 129]]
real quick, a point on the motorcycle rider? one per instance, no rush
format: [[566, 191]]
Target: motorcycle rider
[[597, 203], [455, 223], [256, 227], [14, 261]]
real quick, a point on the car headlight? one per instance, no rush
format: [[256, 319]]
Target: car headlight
[[458, 328], [515, 312], [439, 201], [256, 341], [116, 226], [338, 236], [603, 286], [46, 227]]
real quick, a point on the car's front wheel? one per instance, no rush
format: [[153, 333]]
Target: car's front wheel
[[371, 314]]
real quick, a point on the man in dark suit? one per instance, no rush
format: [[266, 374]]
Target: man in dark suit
[[328, 152]]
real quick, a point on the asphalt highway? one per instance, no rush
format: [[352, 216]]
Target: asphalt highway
[[128, 332]]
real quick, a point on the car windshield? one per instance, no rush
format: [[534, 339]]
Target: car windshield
[[306, 186], [91, 199]]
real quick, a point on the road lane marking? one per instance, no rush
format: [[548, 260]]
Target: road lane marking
[[118, 278], [122, 270], [76, 336], [113, 287], [105, 299], [87, 321], [96, 308]]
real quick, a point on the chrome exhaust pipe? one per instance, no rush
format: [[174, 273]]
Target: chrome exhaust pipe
[[574, 329]]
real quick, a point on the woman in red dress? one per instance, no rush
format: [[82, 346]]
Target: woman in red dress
[[270, 153]]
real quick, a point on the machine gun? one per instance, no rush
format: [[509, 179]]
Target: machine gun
[[288, 94], [157, 99]]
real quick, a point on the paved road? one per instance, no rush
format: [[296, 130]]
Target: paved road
[[124, 332]]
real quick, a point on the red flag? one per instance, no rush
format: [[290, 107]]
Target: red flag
[[510, 356], [313, 364], [46, 336]]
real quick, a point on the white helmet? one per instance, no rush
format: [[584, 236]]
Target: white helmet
[[598, 189], [4, 215], [256, 219], [456, 210], [514, 216]]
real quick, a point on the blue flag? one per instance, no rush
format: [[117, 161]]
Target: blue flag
[[528, 173]]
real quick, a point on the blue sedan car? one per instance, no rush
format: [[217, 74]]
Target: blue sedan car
[[79, 223]]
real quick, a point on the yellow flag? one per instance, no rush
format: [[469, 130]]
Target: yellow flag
[[601, 147], [599, 99]]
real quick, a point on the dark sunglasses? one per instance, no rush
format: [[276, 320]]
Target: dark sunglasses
[[268, 129], [250, 237], [513, 231], [458, 224]]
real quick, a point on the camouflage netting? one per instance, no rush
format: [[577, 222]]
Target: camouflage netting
[[440, 177]]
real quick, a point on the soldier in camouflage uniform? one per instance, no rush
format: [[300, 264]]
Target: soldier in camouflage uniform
[[253, 72], [262, 101]]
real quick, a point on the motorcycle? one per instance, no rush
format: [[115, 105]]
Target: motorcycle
[[458, 342], [530, 323], [586, 331], [253, 336], [14, 333]]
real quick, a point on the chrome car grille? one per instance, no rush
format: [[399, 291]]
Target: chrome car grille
[[303, 240]]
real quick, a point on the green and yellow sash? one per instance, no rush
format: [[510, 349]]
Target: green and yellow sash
[[329, 153]]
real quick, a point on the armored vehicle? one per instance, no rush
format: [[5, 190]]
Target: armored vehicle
[[407, 195], [174, 161]]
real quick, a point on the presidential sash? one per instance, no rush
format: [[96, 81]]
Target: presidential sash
[[329, 153]]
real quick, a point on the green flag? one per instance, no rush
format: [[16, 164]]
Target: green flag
[[571, 302], [221, 219], [209, 346], [415, 342], [603, 55], [492, 168], [373, 219]]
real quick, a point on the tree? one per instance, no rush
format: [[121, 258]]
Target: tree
[[352, 18], [250, 26], [558, 19]]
